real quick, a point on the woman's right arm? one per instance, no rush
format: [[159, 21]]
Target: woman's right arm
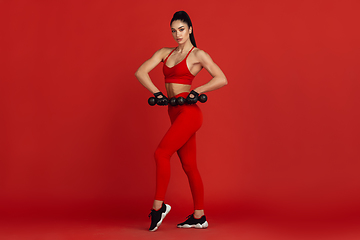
[[142, 74]]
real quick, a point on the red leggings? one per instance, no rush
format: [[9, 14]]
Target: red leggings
[[180, 138]]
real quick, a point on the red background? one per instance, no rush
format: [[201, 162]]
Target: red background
[[77, 135]]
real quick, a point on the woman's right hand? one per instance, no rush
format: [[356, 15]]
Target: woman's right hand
[[161, 99]]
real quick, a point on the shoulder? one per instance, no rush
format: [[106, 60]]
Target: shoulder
[[201, 55], [163, 52]]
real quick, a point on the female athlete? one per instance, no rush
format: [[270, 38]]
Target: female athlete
[[180, 65]]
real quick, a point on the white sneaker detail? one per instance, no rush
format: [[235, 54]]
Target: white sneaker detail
[[198, 225]]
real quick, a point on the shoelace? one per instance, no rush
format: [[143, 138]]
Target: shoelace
[[150, 214], [152, 211]]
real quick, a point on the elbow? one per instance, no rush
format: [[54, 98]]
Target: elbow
[[225, 81], [140, 73], [137, 73]]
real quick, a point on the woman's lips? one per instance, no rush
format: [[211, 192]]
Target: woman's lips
[[179, 39]]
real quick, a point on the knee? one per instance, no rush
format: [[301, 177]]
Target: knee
[[189, 168], [160, 154]]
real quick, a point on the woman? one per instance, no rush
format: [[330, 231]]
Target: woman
[[181, 65]]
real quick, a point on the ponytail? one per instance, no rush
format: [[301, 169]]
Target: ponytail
[[184, 17]]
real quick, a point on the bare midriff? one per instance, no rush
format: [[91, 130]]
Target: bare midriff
[[173, 89]]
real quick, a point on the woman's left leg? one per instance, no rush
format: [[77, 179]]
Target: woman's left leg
[[187, 155]]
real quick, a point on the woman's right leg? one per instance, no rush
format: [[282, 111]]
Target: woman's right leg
[[186, 120], [157, 204]]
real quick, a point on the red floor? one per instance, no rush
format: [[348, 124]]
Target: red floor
[[245, 228]]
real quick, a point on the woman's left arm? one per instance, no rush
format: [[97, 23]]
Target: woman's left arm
[[219, 80]]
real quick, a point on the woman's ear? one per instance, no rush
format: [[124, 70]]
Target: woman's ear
[[190, 30]]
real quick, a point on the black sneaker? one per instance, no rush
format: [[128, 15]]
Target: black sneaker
[[192, 222], [158, 216]]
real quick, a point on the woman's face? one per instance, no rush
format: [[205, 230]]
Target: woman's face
[[180, 31]]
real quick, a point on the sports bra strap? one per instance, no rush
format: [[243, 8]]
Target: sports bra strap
[[189, 52]]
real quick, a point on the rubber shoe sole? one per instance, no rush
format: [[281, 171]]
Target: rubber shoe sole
[[198, 225], [163, 215]]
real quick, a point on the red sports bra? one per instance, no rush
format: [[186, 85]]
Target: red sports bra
[[179, 73]]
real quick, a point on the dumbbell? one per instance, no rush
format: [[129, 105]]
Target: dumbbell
[[181, 101], [202, 98], [152, 101], [173, 101], [177, 101]]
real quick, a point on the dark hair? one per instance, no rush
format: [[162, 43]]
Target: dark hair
[[184, 17]]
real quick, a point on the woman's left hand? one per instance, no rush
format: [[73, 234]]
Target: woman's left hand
[[192, 98]]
